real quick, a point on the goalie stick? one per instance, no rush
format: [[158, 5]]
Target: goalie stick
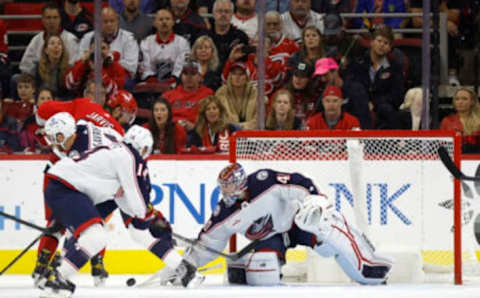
[[231, 256], [452, 168]]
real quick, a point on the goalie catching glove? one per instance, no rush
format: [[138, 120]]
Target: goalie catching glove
[[313, 215]]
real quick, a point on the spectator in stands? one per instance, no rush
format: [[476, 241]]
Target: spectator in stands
[[282, 47], [22, 109], [119, 40], [466, 119], [165, 52], [274, 70], [89, 92], [245, 18], [76, 19], [187, 22], [299, 17], [454, 10], [4, 69], [239, 97], [381, 78], [332, 116], [282, 115], [51, 25], [205, 53], [212, 128], [379, 6], [224, 34], [31, 135], [327, 73], [134, 20], [186, 97], [301, 87], [169, 137], [312, 48], [9, 141], [146, 6], [114, 74], [53, 66]]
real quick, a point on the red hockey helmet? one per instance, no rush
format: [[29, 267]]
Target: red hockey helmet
[[126, 101]]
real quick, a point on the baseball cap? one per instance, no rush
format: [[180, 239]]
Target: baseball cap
[[324, 65], [303, 69], [332, 24], [332, 90], [191, 67], [239, 65]]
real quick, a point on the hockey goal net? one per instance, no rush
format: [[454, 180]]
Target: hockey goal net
[[390, 184]]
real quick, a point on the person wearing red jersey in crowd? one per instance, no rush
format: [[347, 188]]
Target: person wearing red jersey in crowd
[[168, 137], [274, 70], [31, 135], [113, 73], [212, 128], [22, 109], [465, 120], [186, 97], [282, 47], [332, 116]]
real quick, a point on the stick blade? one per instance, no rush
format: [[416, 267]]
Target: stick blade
[[448, 162]]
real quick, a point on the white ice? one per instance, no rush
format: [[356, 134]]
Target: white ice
[[20, 286]]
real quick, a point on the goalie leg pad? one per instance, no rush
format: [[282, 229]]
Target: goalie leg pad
[[263, 269], [355, 254]]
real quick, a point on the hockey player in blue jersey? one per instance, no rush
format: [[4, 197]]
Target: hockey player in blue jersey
[[94, 183], [282, 210]]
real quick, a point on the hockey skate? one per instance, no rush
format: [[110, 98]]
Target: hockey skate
[[56, 286], [99, 273], [43, 265], [187, 276]]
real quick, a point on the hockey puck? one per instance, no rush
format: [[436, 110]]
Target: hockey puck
[[131, 282]]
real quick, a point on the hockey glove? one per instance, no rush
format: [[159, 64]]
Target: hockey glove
[[160, 228]]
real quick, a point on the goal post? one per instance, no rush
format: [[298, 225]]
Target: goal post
[[390, 184]]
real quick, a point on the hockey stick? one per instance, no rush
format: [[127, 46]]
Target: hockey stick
[[152, 280], [21, 254], [452, 168], [23, 222], [231, 256]]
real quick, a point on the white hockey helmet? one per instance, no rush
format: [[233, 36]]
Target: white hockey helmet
[[59, 128], [141, 139], [232, 181]]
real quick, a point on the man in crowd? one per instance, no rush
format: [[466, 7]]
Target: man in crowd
[[298, 17], [75, 18], [134, 20], [187, 22], [245, 18], [282, 47]]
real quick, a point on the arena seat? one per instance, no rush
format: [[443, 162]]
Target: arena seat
[[15, 8]]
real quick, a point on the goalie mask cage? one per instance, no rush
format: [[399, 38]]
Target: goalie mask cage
[[390, 184]]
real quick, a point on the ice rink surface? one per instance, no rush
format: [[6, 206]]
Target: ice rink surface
[[20, 286]]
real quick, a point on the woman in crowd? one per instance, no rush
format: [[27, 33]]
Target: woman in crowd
[[212, 127], [53, 66], [168, 137], [466, 119], [239, 96], [312, 48], [205, 53], [282, 116]]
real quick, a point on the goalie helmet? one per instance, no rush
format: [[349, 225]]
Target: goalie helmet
[[141, 139], [59, 128], [232, 181], [126, 101]]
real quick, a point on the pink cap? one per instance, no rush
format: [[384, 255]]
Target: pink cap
[[324, 65]]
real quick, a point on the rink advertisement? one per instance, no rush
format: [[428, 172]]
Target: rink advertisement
[[399, 204]]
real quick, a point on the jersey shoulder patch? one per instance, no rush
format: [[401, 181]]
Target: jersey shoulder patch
[[262, 175]]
